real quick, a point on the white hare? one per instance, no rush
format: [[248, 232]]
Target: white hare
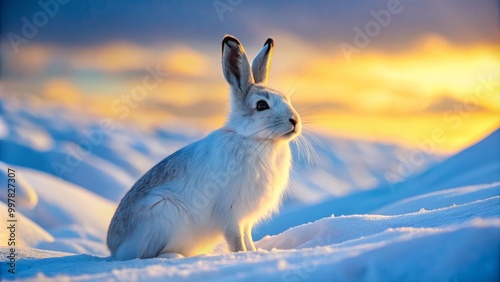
[[221, 185]]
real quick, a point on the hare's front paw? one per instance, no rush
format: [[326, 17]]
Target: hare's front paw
[[170, 255], [235, 238]]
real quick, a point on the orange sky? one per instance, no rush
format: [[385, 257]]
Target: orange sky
[[402, 97]]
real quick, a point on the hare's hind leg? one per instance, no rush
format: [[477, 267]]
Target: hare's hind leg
[[152, 228], [146, 241]]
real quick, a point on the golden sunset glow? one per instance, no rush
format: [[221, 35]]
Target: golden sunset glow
[[61, 90], [399, 97], [403, 97]]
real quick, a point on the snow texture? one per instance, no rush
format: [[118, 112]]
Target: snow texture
[[343, 222]]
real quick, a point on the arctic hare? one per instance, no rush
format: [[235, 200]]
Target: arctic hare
[[221, 185]]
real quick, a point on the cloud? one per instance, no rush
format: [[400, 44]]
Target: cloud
[[61, 90], [111, 57], [184, 61], [445, 104], [32, 59], [188, 92], [122, 57], [379, 82], [372, 82], [199, 109]]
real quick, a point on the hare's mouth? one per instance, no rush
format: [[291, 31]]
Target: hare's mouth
[[290, 133]]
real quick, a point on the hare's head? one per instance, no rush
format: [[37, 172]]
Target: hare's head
[[256, 111]]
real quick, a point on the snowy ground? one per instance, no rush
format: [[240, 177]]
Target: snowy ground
[[439, 225]]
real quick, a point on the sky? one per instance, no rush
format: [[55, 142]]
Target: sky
[[421, 74]]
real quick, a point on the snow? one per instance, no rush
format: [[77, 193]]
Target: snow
[[69, 211], [25, 194], [478, 164], [343, 222], [32, 234], [408, 253]]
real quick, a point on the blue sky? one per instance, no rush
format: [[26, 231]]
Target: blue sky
[[153, 21]]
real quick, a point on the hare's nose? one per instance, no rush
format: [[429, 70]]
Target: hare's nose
[[292, 121]]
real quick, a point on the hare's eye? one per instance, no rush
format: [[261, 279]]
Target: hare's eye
[[262, 105]]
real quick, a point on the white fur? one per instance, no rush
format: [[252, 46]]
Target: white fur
[[219, 186]]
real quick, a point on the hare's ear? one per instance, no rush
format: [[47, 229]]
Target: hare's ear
[[235, 66], [262, 63]]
